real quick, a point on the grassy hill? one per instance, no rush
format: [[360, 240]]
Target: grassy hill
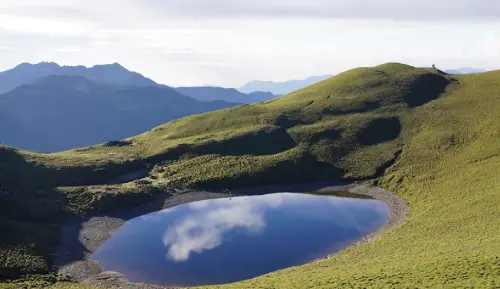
[[430, 137]]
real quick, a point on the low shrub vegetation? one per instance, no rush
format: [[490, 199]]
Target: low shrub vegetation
[[428, 136]]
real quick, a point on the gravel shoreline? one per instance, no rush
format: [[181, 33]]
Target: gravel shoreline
[[80, 238]]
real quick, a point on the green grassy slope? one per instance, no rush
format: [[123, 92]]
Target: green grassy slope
[[448, 171], [437, 134]]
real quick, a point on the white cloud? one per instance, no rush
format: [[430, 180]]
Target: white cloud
[[71, 49], [203, 230], [229, 42], [39, 25], [208, 221], [490, 44], [386, 9]]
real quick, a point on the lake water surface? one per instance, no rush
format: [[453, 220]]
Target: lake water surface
[[225, 240]]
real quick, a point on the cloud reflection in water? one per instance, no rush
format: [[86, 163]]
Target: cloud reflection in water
[[203, 229], [222, 240]]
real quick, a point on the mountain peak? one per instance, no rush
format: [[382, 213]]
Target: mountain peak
[[24, 64], [114, 73], [43, 64], [114, 65], [48, 63]]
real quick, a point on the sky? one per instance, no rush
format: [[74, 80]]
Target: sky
[[230, 42]]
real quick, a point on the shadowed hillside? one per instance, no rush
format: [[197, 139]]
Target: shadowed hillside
[[62, 112], [429, 136]]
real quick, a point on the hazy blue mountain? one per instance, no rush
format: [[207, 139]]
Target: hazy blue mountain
[[465, 70], [281, 88], [261, 95], [210, 93], [27, 73], [61, 112]]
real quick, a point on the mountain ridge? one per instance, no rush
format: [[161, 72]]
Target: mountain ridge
[[115, 73], [428, 136], [27, 73], [60, 112]]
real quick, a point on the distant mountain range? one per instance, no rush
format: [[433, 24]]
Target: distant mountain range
[[210, 93], [47, 107], [281, 88], [60, 112], [465, 70], [27, 73], [286, 87]]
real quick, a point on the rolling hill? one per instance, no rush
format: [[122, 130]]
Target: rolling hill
[[429, 136], [62, 112]]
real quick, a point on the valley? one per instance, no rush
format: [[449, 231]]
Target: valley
[[428, 136]]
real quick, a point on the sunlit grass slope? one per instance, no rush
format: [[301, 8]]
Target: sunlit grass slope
[[449, 172], [430, 137]]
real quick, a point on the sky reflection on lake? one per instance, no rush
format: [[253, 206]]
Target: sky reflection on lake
[[222, 240]]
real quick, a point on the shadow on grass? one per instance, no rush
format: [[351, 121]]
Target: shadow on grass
[[380, 130], [426, 88]]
